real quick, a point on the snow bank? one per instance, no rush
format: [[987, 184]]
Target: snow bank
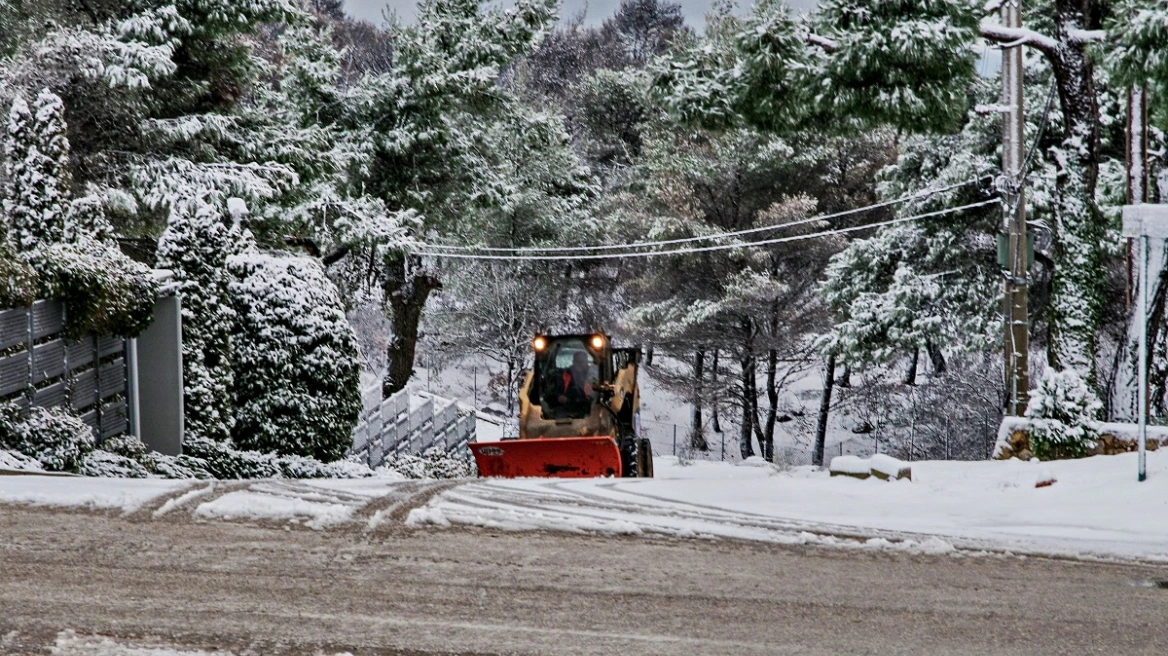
[[125, 494], [967, 506]]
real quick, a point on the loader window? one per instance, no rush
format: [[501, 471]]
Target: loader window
[[567, 378]]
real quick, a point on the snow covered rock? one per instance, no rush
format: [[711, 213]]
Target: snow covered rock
[[888, 468], [853, 466], [884, 467]]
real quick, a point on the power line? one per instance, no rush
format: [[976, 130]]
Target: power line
[[721, 235], [702, 249]]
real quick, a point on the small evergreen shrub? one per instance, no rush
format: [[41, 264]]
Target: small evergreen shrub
[[435, 462], [225, 462], [18, 280], [104, 291], [111, 465], [56, 439], [1063, 412], [297, 375]]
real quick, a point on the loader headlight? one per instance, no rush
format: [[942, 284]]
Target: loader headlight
[[539, 343], [597, 342]]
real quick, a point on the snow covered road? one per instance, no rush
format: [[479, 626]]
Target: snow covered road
[[76, 582], [1094, 508]]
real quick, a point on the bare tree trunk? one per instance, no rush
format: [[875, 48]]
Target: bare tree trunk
[[649, 356], [824, 409], [511, 387], [714, 392], [406, 290], [910, 376], [749, 390], [936, 357], [566, 290], [697, 434], [768, 433]]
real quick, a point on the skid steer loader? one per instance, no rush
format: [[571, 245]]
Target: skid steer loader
[[579, 414]]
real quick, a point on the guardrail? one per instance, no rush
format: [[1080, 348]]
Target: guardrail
[[400, 425]]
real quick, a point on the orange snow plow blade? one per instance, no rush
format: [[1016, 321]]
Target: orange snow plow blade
[[564, 457]]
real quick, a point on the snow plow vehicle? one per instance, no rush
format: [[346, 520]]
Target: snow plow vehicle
[[579, 414]]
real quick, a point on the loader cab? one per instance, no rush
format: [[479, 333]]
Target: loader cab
[[568, 373]]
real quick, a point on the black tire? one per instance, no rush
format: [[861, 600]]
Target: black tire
[[644, 458], [628, 454]]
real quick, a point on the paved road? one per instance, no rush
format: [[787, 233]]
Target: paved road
[[268, 589]]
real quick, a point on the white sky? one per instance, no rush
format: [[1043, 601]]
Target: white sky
[[595, 10]]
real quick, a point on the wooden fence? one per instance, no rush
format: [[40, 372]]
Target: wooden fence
[[40, 367]]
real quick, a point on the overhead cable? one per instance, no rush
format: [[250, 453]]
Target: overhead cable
[[698, 249], [721, 235]]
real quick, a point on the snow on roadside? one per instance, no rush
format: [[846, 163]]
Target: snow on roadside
[[1094, 507], [125, 494], [317, 503]]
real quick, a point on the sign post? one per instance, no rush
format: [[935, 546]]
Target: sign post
[[1145, 222]]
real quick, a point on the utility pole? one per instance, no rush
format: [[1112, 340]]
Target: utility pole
[[1015, 304]]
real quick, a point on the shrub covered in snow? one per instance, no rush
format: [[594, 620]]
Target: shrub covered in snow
[[56, 439], [195, 247], [297, 377], [18, 280], [37, 170], [1063, 412], [223, 461], [111, 465], [104, 291], [434, 463]]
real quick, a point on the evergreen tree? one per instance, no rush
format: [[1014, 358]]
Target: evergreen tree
[[195, 247], [38, 171], [297, 376]]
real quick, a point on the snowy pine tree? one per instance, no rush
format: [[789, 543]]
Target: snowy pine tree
[[38, 171], [195, 247], [297, 376]]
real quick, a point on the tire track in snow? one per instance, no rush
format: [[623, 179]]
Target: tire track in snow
[[204, 490], [558, 505], [394, 509]]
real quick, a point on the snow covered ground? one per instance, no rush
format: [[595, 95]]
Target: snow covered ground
[[1095, 507]]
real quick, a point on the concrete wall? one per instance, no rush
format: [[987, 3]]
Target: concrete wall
[[159, 384]]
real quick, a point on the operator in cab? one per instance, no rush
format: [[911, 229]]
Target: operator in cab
[[576, 382]]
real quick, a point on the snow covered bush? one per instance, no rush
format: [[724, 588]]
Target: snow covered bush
[[18, 281], [224, 462], [111, 465], [125, 456], [56, 439], [37, 170], [1063, 412], [195, 247], [297, 377], [434, 463], [105, 291]]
